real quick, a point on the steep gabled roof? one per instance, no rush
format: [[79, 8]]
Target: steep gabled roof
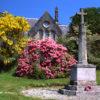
[[47, 17]]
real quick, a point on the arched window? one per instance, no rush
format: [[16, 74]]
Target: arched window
[[53, 34], [40, 33], [47, 34]]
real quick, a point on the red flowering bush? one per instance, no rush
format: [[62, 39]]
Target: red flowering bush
[[49, 57]]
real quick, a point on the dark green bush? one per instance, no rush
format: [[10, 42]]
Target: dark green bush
[[93, 45], [9, 64], [70, 43], [94, 50]]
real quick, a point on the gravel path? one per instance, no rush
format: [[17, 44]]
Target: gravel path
[[46, 93]]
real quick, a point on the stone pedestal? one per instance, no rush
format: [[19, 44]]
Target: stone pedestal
[[83, 75], [83, 80]]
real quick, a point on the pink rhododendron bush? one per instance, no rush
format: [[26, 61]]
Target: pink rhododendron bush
[[44, 58]]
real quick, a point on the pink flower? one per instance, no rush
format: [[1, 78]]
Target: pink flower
[[51, 57]]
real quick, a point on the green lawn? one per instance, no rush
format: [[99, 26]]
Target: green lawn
[[98, 77], [15, 97], [10, 85]]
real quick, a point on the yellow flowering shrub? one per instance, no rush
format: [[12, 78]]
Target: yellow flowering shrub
[[12, 39]]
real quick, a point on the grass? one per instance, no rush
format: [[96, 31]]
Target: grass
[[15, 97], [9, 83], [11, 86], [98, 77]]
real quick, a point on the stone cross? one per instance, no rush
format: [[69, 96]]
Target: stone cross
[[82, 54], [82, 74]]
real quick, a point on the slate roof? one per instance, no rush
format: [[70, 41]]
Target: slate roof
[[32, 21], [64, 29]]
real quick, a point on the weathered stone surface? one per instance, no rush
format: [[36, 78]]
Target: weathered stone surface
[[80, 90], [83, 74], [82, 81], [82, 54], [67, 92]]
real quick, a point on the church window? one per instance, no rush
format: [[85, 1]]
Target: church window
[[53, 35], [47, 33], [41, 34], [46, 24]]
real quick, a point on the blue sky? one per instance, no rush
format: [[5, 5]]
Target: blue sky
[[35, 8]]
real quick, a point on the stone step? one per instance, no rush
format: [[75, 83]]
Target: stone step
[[71, 87], [76, 92], [67, 92]]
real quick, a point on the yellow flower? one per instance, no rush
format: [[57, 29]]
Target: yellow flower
[[10, 42], [4, 38], [14, 27]]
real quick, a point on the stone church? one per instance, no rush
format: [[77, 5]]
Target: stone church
[[46, 26]]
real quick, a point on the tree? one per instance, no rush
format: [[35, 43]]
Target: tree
[[92, 20], [12, 39]]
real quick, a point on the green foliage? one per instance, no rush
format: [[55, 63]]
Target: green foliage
[[98, 77], [93, 44], [70, 43], [38, 73], [92, 20], [94, 50]]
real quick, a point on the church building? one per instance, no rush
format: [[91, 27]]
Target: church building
[[46, 26]]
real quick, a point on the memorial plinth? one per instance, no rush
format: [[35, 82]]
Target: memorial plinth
[[83, 75], [82, 80]]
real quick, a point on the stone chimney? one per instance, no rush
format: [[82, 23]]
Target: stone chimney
[[56, 15]]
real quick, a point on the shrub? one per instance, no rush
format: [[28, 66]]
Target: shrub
[[93, 44], [70, 43], [12, 39], [94, 50], [44, 56]]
